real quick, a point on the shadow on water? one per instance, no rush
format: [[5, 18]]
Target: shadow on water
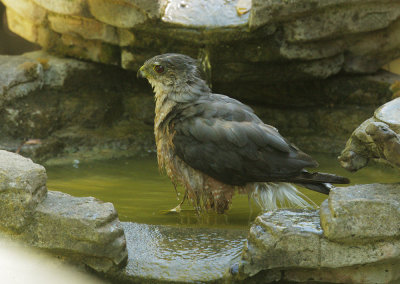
[[141, 194]]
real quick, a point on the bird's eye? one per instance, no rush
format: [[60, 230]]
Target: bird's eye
[[158, 68]]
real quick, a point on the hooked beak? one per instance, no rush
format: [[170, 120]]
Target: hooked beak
[[140, 73]]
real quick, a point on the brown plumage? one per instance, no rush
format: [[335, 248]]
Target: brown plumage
[[213, 144]]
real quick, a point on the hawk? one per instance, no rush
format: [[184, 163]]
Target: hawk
[[213, 144]]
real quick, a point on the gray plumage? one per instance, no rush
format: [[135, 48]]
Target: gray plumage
[[213, 144]]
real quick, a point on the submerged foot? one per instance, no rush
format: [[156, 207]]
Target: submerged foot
[[178, 208]]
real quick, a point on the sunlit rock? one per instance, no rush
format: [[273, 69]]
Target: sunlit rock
[[30, 29], [85, 27], [125, 13], [68, 7], [292, 243], [210, 14], [27, 8], [389, 113], [309, 38], [377, 138]]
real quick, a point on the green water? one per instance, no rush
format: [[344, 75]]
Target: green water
[[141, 194]]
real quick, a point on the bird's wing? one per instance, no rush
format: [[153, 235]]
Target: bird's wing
[[227, 141]]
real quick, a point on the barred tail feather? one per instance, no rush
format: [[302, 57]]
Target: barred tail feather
[[271, 196]]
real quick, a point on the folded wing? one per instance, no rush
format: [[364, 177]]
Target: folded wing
[[224, 139]]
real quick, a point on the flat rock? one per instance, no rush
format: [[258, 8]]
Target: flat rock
[[283, 238], [361, 213], [292, 243], [79, 226], [159, 254], [22, 188]]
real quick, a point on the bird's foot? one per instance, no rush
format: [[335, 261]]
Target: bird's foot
[[177, 209]]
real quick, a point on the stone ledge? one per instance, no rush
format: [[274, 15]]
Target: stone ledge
[[84, 229], [362, 213], [291, 245], [22, 188], [82, 226], [303, 33]]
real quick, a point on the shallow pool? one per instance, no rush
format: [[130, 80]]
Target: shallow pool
[[141, 194]]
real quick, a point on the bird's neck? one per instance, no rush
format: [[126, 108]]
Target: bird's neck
[[163, 108], [181, 93]]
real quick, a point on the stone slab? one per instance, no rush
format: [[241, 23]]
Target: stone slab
[[361, 213], [79, 226], [292, 241], [84, 27]]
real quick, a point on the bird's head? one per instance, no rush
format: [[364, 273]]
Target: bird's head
[[170, 71]]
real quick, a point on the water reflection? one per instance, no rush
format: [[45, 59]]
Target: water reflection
[[141, 194], [181, 254]]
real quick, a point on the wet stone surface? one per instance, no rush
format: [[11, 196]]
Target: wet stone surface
[[176, 254], [290, 245]]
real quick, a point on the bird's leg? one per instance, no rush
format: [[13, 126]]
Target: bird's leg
[[176, 191]]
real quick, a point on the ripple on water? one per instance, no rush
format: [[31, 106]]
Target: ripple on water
[[181, 254]]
